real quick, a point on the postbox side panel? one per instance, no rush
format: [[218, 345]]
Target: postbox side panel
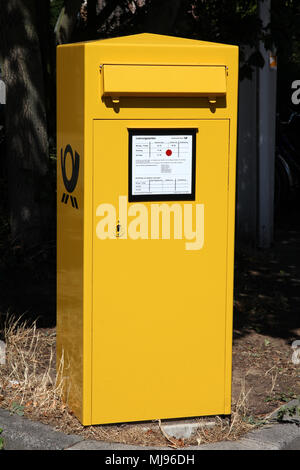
[[70, 210], [159, 302]]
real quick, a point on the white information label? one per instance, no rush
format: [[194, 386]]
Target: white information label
[[162, 164]]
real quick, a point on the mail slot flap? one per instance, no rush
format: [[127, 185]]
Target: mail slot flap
[[157, 80]]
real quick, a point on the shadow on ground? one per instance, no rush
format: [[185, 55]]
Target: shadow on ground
[[267, 285]]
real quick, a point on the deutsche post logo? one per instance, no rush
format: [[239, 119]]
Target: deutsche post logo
[[70, 183]]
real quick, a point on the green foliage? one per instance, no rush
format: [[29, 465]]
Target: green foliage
[[283, 396], [17, 408], [55, 9], [290, 411], [254, 421]]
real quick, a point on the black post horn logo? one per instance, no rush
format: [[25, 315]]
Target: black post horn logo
[[70, 184]]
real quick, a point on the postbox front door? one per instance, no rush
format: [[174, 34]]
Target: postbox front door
[[159, 269]]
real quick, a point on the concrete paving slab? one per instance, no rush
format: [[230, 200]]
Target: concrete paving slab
[[293, 445], [100, 445], [23, 434], [228, 445], [184, 429], [279, 435]]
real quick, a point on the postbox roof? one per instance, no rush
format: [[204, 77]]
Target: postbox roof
[[150, 39]]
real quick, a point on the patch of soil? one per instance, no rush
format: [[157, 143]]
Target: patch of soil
[[263, 365]]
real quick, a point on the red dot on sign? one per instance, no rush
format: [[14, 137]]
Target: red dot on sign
[[169, 152]]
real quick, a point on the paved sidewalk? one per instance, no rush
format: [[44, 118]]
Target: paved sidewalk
[[20, 433]]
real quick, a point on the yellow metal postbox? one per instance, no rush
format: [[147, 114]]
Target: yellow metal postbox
[[146, 149]]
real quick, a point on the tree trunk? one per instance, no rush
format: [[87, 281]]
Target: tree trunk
[[27, 156], [107, 9], [66, 21], [48, 56]]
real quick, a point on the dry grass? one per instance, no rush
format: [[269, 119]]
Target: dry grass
[[27, 380], [229, 429], [29, 386]]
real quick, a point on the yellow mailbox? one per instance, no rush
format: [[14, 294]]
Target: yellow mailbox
[[146, 149]]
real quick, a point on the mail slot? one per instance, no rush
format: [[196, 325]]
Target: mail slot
[[163, 80], [146, 143]]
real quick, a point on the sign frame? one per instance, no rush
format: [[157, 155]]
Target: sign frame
[[162, 197]]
